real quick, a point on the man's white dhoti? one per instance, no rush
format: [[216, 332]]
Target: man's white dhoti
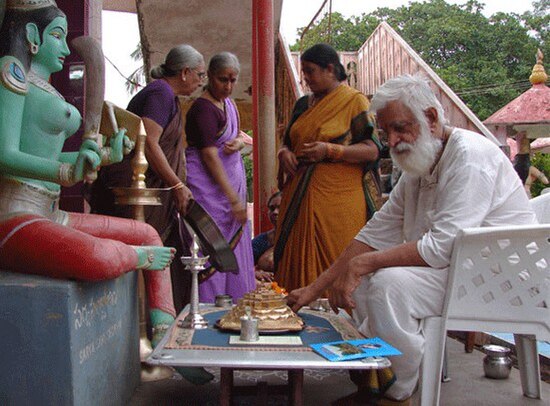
[[472, 185], [391, 304]]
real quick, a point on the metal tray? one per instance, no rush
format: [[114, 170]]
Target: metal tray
[[211, 240]]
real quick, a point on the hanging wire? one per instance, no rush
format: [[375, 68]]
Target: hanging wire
[[329, 33], [135, 84], [479, 87], [484, 89], [311, 23]]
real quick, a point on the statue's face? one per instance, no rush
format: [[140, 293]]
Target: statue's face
[[53, 49]]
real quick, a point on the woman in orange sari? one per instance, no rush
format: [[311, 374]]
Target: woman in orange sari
[[328, 167]]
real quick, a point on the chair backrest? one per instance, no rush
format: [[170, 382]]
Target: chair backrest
[[541, 207], [498, 280]]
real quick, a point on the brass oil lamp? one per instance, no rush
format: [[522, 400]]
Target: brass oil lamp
[[137, 196]]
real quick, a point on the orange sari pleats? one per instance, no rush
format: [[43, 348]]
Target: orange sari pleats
[[333, 208]]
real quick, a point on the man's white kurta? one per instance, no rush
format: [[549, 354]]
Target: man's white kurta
[[474, 184]]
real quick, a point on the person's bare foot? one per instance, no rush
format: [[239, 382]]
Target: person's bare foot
[[154, 258]]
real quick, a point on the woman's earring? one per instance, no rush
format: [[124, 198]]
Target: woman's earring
[[34, 48]]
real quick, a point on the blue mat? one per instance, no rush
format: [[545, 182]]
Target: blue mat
[[318, 328]]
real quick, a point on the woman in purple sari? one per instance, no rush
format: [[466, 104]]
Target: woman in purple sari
[[216, 175]]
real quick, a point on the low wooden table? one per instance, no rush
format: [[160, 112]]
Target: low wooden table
[[228, 359], [293, 389]]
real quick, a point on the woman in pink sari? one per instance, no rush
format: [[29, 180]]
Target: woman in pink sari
[[216, 175]]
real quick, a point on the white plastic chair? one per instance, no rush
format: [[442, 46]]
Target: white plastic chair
[[498, 282], [541, 207]]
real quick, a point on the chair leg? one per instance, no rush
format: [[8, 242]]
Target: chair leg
[[432, 361], [444, 370], [528, 362]]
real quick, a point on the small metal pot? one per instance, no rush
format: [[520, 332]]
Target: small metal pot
[[249, 329], [497, 364], [321, 305], [223, 301]]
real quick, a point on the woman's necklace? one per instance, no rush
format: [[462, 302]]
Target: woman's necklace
[[313, 100], [43, 84], [316, 98], [218, 103]]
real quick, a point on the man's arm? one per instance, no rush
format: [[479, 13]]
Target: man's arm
[[340, 293], [303, 296]]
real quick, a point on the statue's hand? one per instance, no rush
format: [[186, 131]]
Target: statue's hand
[[87, 162], [89, 144], [90, 172], [84, 168], [119, 145], [127, 145]]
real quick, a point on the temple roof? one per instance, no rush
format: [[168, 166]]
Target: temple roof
[[531, 107]]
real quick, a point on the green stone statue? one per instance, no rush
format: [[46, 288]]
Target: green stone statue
[[37, 237]]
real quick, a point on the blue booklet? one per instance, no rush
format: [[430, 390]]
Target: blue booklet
[[355, 349]]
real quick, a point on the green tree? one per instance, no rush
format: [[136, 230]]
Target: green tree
[[137, 77], [486, 61], [541, 162], [538, 21], [345, 34]]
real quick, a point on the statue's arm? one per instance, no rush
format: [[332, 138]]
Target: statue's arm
[[68, 157], [72, 157], [119, 145]]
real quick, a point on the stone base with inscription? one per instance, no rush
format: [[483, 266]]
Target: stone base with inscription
[[66, 342]]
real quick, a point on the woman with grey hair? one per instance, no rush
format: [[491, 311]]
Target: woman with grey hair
[[180, 75], [216, 173], [157, 104], [182, 72]]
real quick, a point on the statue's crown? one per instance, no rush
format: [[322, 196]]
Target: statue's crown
[[29, 4]]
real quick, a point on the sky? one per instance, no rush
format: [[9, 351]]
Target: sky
[[295, 14]]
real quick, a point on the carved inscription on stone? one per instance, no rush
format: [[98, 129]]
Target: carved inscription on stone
[[91, 348], [94, 309]]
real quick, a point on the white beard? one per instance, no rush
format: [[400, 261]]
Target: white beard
[[419, 157]]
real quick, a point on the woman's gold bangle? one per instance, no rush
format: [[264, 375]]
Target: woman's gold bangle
[[177, 186], [335, 152]]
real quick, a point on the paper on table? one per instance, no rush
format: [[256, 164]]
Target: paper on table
[[355, 349], [267, 340]]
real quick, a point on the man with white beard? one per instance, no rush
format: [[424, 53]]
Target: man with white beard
[[394, 273]]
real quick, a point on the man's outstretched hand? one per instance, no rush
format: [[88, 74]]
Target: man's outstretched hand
[[301, 297]]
